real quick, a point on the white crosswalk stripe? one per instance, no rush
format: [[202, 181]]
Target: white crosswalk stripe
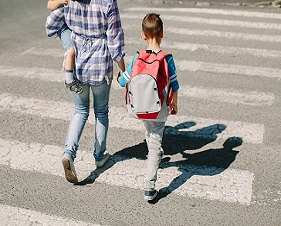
[[236, 13], [22, 217], [220, 34], [208, 182], [225, 34], [265, 53], [195, 181], [251, 133], [238, 51], [254, 98], [42, 74], [218, 22], [229, 69]]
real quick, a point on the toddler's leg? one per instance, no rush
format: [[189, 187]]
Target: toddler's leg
[[69, 59], [68, 67]]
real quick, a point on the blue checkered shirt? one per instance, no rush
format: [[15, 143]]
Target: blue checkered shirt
[[97, 36]]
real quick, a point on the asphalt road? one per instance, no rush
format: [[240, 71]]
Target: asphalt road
[[229, 71]]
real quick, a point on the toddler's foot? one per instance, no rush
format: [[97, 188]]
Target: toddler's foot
[[74, 87]]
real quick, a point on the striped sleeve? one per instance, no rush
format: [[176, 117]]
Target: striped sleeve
[[126, 74], [172, 73]]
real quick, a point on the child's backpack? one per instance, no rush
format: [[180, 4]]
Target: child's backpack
[[149, 85]]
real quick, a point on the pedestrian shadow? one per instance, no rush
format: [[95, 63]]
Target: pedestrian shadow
[[175, 140], [178, 141], [205, 163]]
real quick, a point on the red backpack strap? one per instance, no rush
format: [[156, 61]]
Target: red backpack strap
[[162, 55]]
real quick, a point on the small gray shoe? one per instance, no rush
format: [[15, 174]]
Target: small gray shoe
[[74, 87], [150, 195], [100, 163], [69, 169]]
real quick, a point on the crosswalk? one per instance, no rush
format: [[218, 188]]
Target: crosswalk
[[20, 216], [228, 185]]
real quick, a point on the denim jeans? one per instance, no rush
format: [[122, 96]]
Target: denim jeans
[[65, 36], [154, 134], [82, 107]]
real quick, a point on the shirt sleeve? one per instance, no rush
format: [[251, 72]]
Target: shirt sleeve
[[54, 22], [115, 33], [126, 74], [172, 73]]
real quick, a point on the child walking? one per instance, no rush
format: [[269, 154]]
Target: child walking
[[64, 34], [152, 33]]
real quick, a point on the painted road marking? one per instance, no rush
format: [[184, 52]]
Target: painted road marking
[[218, 22], [42, 74], [219, 34], [266, 53], [10, 215], [226, 185], [251, 98], [249, 132], [237, 13], [229, 69], [254, 98], [44, 52], [183, 65], [226, 34]]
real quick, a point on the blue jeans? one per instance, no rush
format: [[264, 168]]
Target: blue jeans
[[65, 36], [82, 107]]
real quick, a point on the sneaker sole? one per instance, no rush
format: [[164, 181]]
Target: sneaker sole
[[68, 173], [105, 160], [150, 198], [79, 92]]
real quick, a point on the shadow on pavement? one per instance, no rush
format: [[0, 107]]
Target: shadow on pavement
[[177, 141], [206, 163]]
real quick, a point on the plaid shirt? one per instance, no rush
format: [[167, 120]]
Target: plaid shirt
[[54, 22], [97, 36]]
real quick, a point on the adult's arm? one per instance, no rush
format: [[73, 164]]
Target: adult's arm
[[114, 33]]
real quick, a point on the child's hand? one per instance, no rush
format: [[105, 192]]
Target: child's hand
[[118, 77], [174, 109], [174, 104]]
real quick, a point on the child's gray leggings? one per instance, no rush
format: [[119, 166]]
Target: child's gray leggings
[[154, 134]]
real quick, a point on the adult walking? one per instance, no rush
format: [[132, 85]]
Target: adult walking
[[98, 40]]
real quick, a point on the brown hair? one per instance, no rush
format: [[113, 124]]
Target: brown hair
[[152, 25]]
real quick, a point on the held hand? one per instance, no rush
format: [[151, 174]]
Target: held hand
[[174, 104], [118, 77], [173, 109]]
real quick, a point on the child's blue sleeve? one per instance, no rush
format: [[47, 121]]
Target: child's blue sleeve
[[172, 73], [126, 74]]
